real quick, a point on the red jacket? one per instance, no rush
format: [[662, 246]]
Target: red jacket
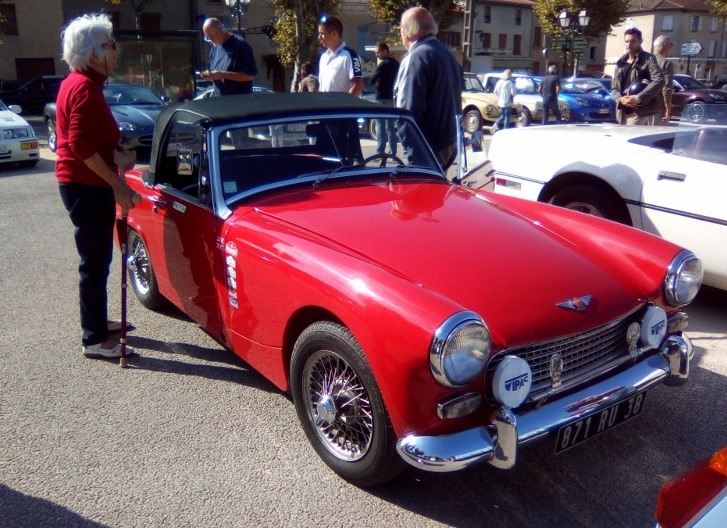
[[84, 126]]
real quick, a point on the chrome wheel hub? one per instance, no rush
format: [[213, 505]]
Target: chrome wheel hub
[[339, 408]]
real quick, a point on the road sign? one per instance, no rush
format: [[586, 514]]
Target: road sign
[[689, 49], [575, 44]]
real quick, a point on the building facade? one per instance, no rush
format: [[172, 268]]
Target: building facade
[[690, 24]]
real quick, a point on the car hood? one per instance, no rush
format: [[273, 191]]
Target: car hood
[[11, 119], [139, 115], [475, 251]]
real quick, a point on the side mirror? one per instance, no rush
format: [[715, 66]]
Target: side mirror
[[185, 162], [15, 108]]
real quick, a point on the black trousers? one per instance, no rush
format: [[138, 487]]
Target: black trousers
[[92, 211]]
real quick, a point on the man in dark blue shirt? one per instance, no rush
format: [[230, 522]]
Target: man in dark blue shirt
[[549, 89], [232, 65], [384, 78]]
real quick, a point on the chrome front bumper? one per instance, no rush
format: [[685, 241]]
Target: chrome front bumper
[[498, 442]]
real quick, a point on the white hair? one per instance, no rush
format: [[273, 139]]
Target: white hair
[[82, 36], [660, 42]]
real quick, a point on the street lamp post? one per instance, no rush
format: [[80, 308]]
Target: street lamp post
[[572, 25], [238, 8]]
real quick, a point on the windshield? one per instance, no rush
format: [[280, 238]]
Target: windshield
[[119, 94], [472, 84], [268, 156], [689, 83], [570, 89]]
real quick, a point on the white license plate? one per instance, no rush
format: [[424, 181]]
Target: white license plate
[[295, 128], [573, 434], [603, 111]]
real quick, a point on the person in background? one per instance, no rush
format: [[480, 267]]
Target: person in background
[[232, 65], [637, 83], [339, 67], [308, 78], [505, 92], [384, 79], [662, 48], [429, 84], [87, 173], [549, 89]]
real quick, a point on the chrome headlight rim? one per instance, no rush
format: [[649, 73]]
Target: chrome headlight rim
[[674, 281], [438, 351]]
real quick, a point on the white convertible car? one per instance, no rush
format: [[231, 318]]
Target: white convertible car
[[669, 181]]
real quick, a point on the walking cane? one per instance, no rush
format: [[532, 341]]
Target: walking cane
[[123, 236]]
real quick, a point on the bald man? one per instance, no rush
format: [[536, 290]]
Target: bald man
[[429, 83], [232, 65]]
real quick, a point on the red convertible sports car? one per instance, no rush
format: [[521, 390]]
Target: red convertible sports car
[[413, 319]]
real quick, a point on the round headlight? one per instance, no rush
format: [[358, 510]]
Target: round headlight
[[683, 278], [126, 126], [460, 349]]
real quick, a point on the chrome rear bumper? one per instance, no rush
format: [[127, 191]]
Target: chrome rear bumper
[[498, 442]]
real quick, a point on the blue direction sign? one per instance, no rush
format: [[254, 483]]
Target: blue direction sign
[[689, 49]]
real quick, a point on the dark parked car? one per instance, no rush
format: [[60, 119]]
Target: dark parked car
[[31, 95], [694, 102], [135, 109]]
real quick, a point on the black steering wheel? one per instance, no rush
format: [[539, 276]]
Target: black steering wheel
[[383, 157]]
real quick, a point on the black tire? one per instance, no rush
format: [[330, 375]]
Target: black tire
[[374, 129], [523, 118], [473, 121], [141, 274], [340, 407], [695, 112], [591, 200], [52, 138]]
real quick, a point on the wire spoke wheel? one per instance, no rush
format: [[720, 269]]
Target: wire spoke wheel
[[338, 405], [141, 273]]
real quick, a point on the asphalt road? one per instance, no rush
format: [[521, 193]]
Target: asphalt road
[[191, 436]]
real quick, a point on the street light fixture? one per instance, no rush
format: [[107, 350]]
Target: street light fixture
[[572, 26], [238, 8]]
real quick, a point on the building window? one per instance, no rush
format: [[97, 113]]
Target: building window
[[695, 24], [714, 26], [712, 51], [502, 41], [724, 48], [538, 37], [486, 40], [667, 23], [517, 42], [592, 53], [488, 14], [452, 39], [10, 25], [518, 17], [150, 21]]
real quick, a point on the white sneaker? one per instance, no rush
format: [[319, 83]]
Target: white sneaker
[[99, 352]]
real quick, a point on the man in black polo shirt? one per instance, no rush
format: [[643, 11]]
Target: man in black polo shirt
[[549, 89]]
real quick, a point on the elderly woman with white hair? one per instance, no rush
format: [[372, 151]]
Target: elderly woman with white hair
[[87, 173], [662, 48]]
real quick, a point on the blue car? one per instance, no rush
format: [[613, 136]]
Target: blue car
[[584, 107], [587, 108]]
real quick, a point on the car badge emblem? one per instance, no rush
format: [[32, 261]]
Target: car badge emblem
[[556, 369], [579, 304]]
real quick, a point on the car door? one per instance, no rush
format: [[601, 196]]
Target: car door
[[684, 201], [186, 229]]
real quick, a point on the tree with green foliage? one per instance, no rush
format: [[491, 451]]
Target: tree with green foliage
[[604, 14], [719, 6], [389, 11]]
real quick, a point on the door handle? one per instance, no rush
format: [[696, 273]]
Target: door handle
[[669, 175], [157, 203]]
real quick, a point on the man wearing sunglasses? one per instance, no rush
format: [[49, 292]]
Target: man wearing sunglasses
[[232, 65], [339, 67]]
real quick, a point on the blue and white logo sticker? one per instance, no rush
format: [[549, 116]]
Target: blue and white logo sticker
[[512, 381], [653, 327]]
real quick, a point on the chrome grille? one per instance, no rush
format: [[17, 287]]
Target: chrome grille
[[585, 355]]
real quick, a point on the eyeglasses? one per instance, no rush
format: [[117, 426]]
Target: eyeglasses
[[208, 38], [108, 45]]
